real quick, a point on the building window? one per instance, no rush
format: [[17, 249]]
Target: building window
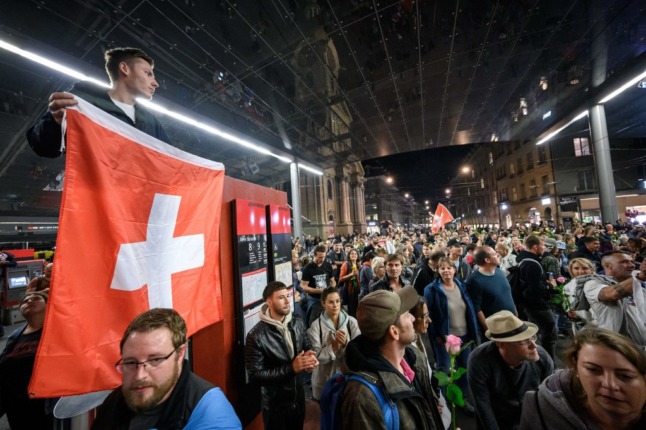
[[482, 184], [491, 158], [512, 172], [520, 165], [533, 188], [522, 192], [514, 194], [329, 190], [546, 186], [586, 180], [530, 160], [542, 157], [494, 196], [581, 146]]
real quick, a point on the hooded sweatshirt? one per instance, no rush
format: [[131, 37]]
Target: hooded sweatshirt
[[415, 400], [280, 325], [553, 406]]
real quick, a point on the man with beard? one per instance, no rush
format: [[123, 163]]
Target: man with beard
[[277, 352], [159, 391], [382, 354]]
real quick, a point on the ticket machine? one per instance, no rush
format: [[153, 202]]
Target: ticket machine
[[13, 288]]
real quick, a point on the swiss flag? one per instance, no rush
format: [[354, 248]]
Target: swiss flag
[[441, 217], [138, 229]]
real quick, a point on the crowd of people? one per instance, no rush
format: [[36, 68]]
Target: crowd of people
[[508, 295]]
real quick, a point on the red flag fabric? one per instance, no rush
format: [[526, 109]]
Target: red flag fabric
[[441, 217], [138, 228]]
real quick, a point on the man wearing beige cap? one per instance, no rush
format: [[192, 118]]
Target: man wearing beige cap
[[382, 355], [500, 372]]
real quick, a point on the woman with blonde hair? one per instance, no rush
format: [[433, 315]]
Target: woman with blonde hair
[[603, 387], [577, 268]]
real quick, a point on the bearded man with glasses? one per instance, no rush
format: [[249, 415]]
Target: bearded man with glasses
[[500, 372], [159, 391]]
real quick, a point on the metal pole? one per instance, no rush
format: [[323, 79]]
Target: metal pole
[[296, 200], [603, 164]]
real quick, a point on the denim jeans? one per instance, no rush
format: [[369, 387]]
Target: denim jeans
[[547, 334]]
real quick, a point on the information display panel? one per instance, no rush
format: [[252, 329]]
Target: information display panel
[[250, 261], [280, 243]]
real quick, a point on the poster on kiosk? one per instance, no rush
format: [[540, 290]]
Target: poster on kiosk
[[250, 262], [280, 243]]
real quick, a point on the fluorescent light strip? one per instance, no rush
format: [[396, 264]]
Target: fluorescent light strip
[[228, 136], [52, 64], [309, 169], [213, 130], [624, 87], [554, 133]]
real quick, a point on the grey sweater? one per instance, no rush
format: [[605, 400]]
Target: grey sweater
[[498, 389]]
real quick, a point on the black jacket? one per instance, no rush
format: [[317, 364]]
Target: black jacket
[[534, 281], [45, 136], [424, 275], [269, 365]]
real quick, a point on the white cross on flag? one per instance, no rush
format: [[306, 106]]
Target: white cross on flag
[[138, 229]]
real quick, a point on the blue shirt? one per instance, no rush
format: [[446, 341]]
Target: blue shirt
[[490, 293]]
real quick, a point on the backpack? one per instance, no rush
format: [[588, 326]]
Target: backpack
[[518, 286], [332, 396]]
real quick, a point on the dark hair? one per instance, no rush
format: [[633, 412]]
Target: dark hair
[[156, 318], [368, 256], [437, 255], [589, 239], [116, 56], [319, 248], [606, 339], [271, 288], [392, 257], [471, 247], [417, 309], [611, 254], [480, 255], [532, 240], [329, 290], [350, 252]]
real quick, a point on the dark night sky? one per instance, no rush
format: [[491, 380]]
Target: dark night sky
[[425, 174]]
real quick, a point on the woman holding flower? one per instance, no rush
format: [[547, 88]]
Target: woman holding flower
[[452, 313], [349, 280]]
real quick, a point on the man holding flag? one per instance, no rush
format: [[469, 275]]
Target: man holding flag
[[131, 75]]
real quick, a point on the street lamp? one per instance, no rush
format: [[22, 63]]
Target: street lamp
[[389, 180]]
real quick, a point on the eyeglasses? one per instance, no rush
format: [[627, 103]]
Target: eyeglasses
[[130, 366], [526, 342]]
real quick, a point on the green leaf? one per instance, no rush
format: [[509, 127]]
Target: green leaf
[[454, 395], [458, 373], [442, 378]]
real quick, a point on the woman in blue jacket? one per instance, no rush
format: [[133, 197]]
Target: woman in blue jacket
[[451, 312]]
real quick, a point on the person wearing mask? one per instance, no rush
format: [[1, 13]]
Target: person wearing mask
[[329, 335], [603, 387]]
